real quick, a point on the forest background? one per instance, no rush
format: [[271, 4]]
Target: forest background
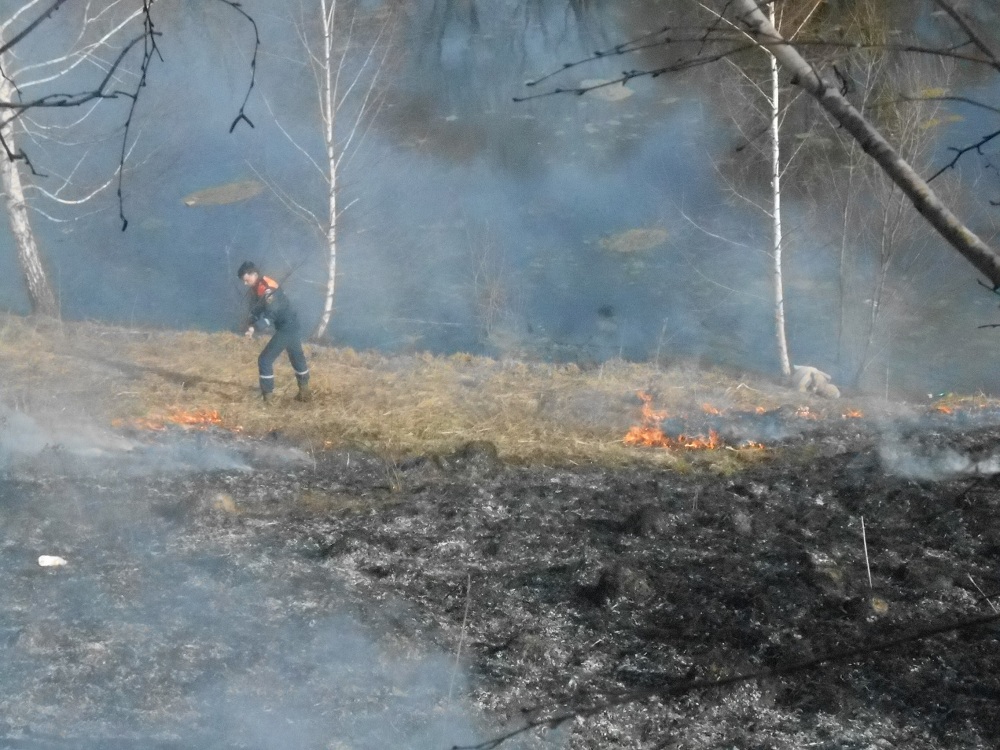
[[632, 220]]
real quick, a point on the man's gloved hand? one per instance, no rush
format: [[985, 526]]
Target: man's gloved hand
[[249, 333]]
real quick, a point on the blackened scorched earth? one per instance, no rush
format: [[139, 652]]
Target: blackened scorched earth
[[555, 587]]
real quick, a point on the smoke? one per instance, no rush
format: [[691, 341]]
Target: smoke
[[180, 623], [23, 437], [335, 683], [83, 445], [935, 463]]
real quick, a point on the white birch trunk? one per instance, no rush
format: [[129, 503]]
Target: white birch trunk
[[328, 107], [40, 294], [919, 193], [779, 286]]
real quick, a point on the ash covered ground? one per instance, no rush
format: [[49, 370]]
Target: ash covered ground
[[235, 593]]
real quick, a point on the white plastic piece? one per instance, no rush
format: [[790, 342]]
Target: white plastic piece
[[51, 561]]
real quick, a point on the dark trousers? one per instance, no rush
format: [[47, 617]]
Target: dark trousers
[[289, 339]]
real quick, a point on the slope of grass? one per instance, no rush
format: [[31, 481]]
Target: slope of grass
[[394, 405]]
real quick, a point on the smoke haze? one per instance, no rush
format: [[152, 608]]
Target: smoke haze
[[484, 225], [163, 630]]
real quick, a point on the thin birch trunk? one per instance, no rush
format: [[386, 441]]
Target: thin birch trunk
[[779, 287], [40, 294], [329, 114]]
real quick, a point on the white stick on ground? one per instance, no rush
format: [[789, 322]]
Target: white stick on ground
[[461, 637], [865, 540], [982, 593]]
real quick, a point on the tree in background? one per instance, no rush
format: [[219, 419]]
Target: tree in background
[[26, 72], [828, 92], [346, 55], [882, 251], [748, 115], [55, 79], [689, 48]]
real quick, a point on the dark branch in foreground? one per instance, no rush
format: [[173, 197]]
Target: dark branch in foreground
[[960, 152], [149, 50], [956, 99], [253, 64], [42, 17], [994, 289], [626, 76], [978, 41], [677, 689], [148, 38]]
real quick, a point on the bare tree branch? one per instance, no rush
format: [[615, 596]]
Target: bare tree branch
[[960, 152], [977, 39], [253, 64], [103, 88], [957, 99], [32, 26]]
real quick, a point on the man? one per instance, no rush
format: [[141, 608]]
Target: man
[[269, 305]]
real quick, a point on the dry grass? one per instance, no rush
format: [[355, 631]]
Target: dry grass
[[394, 405]]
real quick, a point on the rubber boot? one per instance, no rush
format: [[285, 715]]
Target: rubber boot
[[267, 397], [304, 395]]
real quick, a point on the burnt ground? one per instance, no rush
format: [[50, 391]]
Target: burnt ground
[[224, 592]]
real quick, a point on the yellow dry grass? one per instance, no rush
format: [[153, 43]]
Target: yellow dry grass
[[393, 405]]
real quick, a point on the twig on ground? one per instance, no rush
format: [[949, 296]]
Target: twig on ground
[[461, 637], [864, 539], [982, 593]]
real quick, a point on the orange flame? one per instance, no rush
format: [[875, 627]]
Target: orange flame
[[196, 418], [701, 443], [199, 418], [709, 409], [853, 414], [648, 413], [649, 435]]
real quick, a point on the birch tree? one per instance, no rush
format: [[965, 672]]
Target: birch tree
[[776, 236], [23, 75], [716, 42], [835, 103], [346, 72], [774, 112], [55, 80]]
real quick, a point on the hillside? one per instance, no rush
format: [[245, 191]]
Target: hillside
[[394, 406], [439, 548]]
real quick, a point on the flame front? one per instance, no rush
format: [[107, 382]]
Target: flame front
[[649, 434], [198, 418]]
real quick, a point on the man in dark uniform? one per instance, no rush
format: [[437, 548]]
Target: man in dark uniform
[[269, 305]]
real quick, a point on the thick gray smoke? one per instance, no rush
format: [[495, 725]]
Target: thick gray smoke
[[940, 464], [178, 621]]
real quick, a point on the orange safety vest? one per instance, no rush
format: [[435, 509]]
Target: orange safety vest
[[265, 284]]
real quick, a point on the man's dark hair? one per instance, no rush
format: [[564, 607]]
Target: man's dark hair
[[245, 268]]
